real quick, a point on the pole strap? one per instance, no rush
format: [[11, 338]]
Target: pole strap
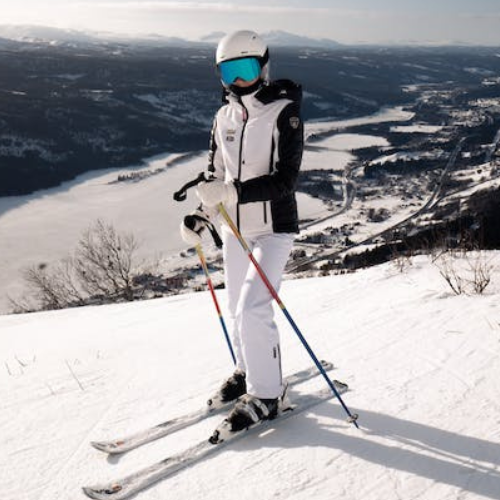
[[181, 195]]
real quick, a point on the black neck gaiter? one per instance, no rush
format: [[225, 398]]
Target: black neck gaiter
[[241, 91]]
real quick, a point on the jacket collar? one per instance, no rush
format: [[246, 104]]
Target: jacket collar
[[268, 93], [279, 89], [249, 101]]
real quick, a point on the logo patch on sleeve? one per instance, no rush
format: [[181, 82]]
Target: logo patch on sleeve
[[294, 122]]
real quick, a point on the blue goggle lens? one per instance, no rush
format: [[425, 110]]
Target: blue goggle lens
[[247, 69]]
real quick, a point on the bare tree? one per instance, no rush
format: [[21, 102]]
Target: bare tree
[[446, 264], [481, 270], [103, 268], [468, 273], [104, 262]]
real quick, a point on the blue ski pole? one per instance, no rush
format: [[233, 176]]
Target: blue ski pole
[[352, 417]]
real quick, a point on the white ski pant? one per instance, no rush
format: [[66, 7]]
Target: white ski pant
[[254, 333]]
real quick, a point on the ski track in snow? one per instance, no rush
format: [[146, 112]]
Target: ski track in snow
[[49, 493]]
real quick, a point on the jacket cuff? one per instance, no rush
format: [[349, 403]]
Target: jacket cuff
[[237, 185]]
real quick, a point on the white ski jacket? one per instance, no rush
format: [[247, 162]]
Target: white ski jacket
[[257, 142]]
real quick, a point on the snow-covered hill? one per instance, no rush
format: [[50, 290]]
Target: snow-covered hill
[[422, 365], [45, 34], [37, 34]]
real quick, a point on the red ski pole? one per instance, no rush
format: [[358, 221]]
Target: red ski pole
[[214, 297]]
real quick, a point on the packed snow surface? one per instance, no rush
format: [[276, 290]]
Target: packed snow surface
[[422, 365]]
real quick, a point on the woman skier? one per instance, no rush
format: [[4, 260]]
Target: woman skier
[[255, 154]]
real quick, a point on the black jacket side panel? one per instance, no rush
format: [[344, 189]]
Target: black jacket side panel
[[279, 186], [212, 148]]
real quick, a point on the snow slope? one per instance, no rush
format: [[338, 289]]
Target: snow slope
[[422, 365]]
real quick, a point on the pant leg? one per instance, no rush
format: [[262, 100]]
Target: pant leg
[[255, 316], [236, 263]]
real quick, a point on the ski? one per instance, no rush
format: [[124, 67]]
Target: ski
[[132, 441], [144, 478]]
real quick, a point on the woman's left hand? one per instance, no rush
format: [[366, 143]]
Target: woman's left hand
[[214, 192]]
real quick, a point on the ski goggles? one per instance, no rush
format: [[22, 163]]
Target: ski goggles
[[247, 69]]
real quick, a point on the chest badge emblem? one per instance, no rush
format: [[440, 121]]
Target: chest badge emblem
[[294, 122]]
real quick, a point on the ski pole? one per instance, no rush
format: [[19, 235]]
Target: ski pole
[[352, 417], [216, 302]]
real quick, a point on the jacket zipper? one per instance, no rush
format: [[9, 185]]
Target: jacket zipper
[[240, 158]]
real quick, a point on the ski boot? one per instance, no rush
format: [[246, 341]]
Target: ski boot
[[247, 412], [234, 387]]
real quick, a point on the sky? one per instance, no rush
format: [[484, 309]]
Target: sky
[[356, 21]]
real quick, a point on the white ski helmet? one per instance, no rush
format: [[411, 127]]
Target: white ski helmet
[[244, 44]]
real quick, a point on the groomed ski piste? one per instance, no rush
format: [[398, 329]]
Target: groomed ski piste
[[421, 364]]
